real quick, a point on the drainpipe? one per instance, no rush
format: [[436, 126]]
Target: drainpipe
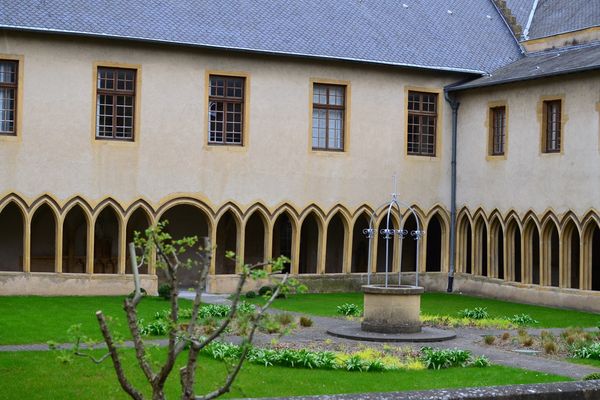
[[454, 104]]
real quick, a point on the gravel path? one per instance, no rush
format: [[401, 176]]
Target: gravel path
[[316, 336]]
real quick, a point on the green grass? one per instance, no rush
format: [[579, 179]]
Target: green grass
[[584, 361], [442, 304], [34, 319], [38, 375]]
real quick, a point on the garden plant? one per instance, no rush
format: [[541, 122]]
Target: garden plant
[[181, 336]]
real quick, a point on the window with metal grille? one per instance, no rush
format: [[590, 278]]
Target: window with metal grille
[[422, 122], [329, 102], [9, 71], [115, 103], [497, 130], [226, 110], [552, 118]]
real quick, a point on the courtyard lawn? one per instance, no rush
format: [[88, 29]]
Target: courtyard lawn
[[38, 375], [442, 304], [585, 361], [35, 319]]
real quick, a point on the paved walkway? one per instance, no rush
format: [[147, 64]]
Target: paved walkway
[[467, 338]]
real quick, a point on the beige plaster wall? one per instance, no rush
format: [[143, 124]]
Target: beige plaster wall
[[579, 37], [51, 284], [55, 151], [525, 179]]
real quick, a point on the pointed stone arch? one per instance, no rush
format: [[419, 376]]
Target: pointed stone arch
[[571, 260], [139, 218], [13, 251], [231, 207], [80, 202], [44, 234], [76, 237], [48, 199], [480, 245], [436, 240], [514, 248], [497, 250], [314, 209], [228, 238], [337, 240], [410, 245], [256, 235], [186, 217], [591, 253], [108, 232], [140, 203], [360, 241], [380, 244], [285, 236], [531, 250], [464, 242], [17, 200], [311, 242], [550, 252]]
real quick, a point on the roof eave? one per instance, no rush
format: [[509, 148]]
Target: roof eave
[[453, 88], [239, 49]]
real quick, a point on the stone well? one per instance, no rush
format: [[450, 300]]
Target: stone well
[[392, 309]]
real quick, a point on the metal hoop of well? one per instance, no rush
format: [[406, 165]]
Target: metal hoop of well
[[389, 233]]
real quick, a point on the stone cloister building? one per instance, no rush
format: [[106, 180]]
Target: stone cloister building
[[276, 128]]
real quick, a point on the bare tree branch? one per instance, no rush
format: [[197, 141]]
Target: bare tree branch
[[125, 384], [138, 343], [246, 347], [136, 274]]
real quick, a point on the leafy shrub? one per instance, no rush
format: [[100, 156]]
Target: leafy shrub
[[505, 336], [376, 366], [284, 318], [591, 351], [544, 335], [444, 358], [270, 325], [550, 347], [326, 360], [480, 362], [214, 310], [526, 341], [158, 327], [349, 309], [185, 313], [475, 313], [221, 350], [265, 290], [523, 319], [489, 339], [164, 291], [355, 363], [592, 377], [245, 308], [251, 294], [306, 321]]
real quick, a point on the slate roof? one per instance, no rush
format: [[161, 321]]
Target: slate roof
[[540, 65], [521, 10], [553, 17], [460, 35]]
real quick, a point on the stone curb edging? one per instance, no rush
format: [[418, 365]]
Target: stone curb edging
[[578, 390]]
